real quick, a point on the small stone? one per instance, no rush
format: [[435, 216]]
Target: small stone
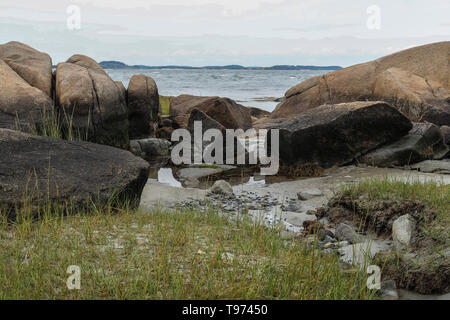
[[222, 187], [298, 218], [322, 234], [308, 194], [293, 207], [135, 148], [152, 147], [403, 232], [328, 239], [360, 253], [341, 244], [328, 245], [345, 232]]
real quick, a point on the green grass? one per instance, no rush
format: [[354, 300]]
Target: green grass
[[128, 254], [55, 125], [436, 196], [165, 105], [426, 268]]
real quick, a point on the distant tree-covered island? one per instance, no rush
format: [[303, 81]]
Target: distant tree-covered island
[[121, 65]]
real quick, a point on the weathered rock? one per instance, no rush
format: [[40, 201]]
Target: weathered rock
[[403, 230], [135, 148], [308, 194], [267, 123], [424, 141], [166, 121], [21, 105], [414, 80], [345, 232], [183, 104], [258, 113], [206, 121], [297, 218], [361, 253], [143, 105], [337, 134], [208, 146], [122, 89], [33, 66], [164, 132], [196, 172], [222, 187], [35, 169], [91, 102], [445, 130], [223, 110], [433, 166], [150, 147]]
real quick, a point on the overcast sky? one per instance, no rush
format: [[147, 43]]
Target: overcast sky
[[219, 32]]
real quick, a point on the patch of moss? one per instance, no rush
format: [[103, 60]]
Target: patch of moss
[[165, 105]]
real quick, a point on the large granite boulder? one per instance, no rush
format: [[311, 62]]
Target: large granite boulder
[[91, 103], [445, 130], [33, 66], [258, 113], [122, 89], [34, 169], [143, 106], [423, 142], [337, 134], [207, 122], [223, 110], [22, 106], [416, 81]]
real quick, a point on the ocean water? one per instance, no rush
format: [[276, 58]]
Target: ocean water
[[251, 88]]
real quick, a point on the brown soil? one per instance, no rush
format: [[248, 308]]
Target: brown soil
[[426, 269], [429, 274], [374, 215], [306, 170]]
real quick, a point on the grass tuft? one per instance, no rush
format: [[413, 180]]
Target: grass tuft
[[189, 254], [436, 197], [55, 125], [165, 105]]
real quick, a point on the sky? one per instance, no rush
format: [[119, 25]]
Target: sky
[[222, 32]]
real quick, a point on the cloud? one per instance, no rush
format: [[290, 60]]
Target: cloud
[[204, 32], [228, 7], [320, 27]]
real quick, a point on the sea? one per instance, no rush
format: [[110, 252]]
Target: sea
[[251, 88]]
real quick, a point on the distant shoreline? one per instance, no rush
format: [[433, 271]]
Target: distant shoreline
[[121, 65]]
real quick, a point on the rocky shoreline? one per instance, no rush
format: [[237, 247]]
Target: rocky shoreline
[[363, 121], [298, 207]]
